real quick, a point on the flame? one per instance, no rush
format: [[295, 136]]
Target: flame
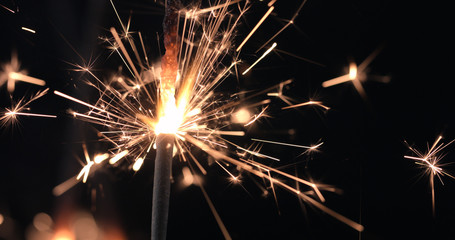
[[170, 118]]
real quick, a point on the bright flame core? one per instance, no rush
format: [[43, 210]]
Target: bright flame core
[[170, 116]]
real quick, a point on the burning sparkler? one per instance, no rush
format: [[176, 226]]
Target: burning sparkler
[[173, 106]]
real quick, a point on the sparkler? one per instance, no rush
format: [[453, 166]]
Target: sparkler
[[173, 107]]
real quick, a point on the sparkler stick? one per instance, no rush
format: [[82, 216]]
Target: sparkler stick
[[162, 185], [165, 142]]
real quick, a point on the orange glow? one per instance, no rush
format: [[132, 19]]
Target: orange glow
[[188, 177], [241, 116], [63, 234], [42, 222]]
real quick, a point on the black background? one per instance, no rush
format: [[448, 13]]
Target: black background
[[363, 139]]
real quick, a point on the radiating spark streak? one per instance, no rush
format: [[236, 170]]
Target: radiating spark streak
[[271, 3], [219, 155], [255, 28], [77, 100], [143, 49], [117, 157], [85, 172], [325, 209], [100, 158], [259, 59], [300, 57], [12, 113], [256, 117], [28, 29], [220, 223], [101, 121], [286, 26], [24, 78], [227, 171], [209, 9], [336, 81], [369, 59], [219, 132], [125, 53], [351, 76], [254, 153], [201, 168], [64, 186], [17, 109], [317, 103], [230, 105], [128, 58], [288, 144], [8, 9], [125, 29], [310, 184], [273, 190], [274, 36]]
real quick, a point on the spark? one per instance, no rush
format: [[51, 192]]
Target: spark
[[351, 76], [430, 160], [17, 109], [256, 117], [28, 29], [13, 113], [10, 73], [8, 9], [314, 147], [316, 103], [117, 157], [77, 101], [255, 28], [138, 164], [259, 59], [356, 75], [289, 23]]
